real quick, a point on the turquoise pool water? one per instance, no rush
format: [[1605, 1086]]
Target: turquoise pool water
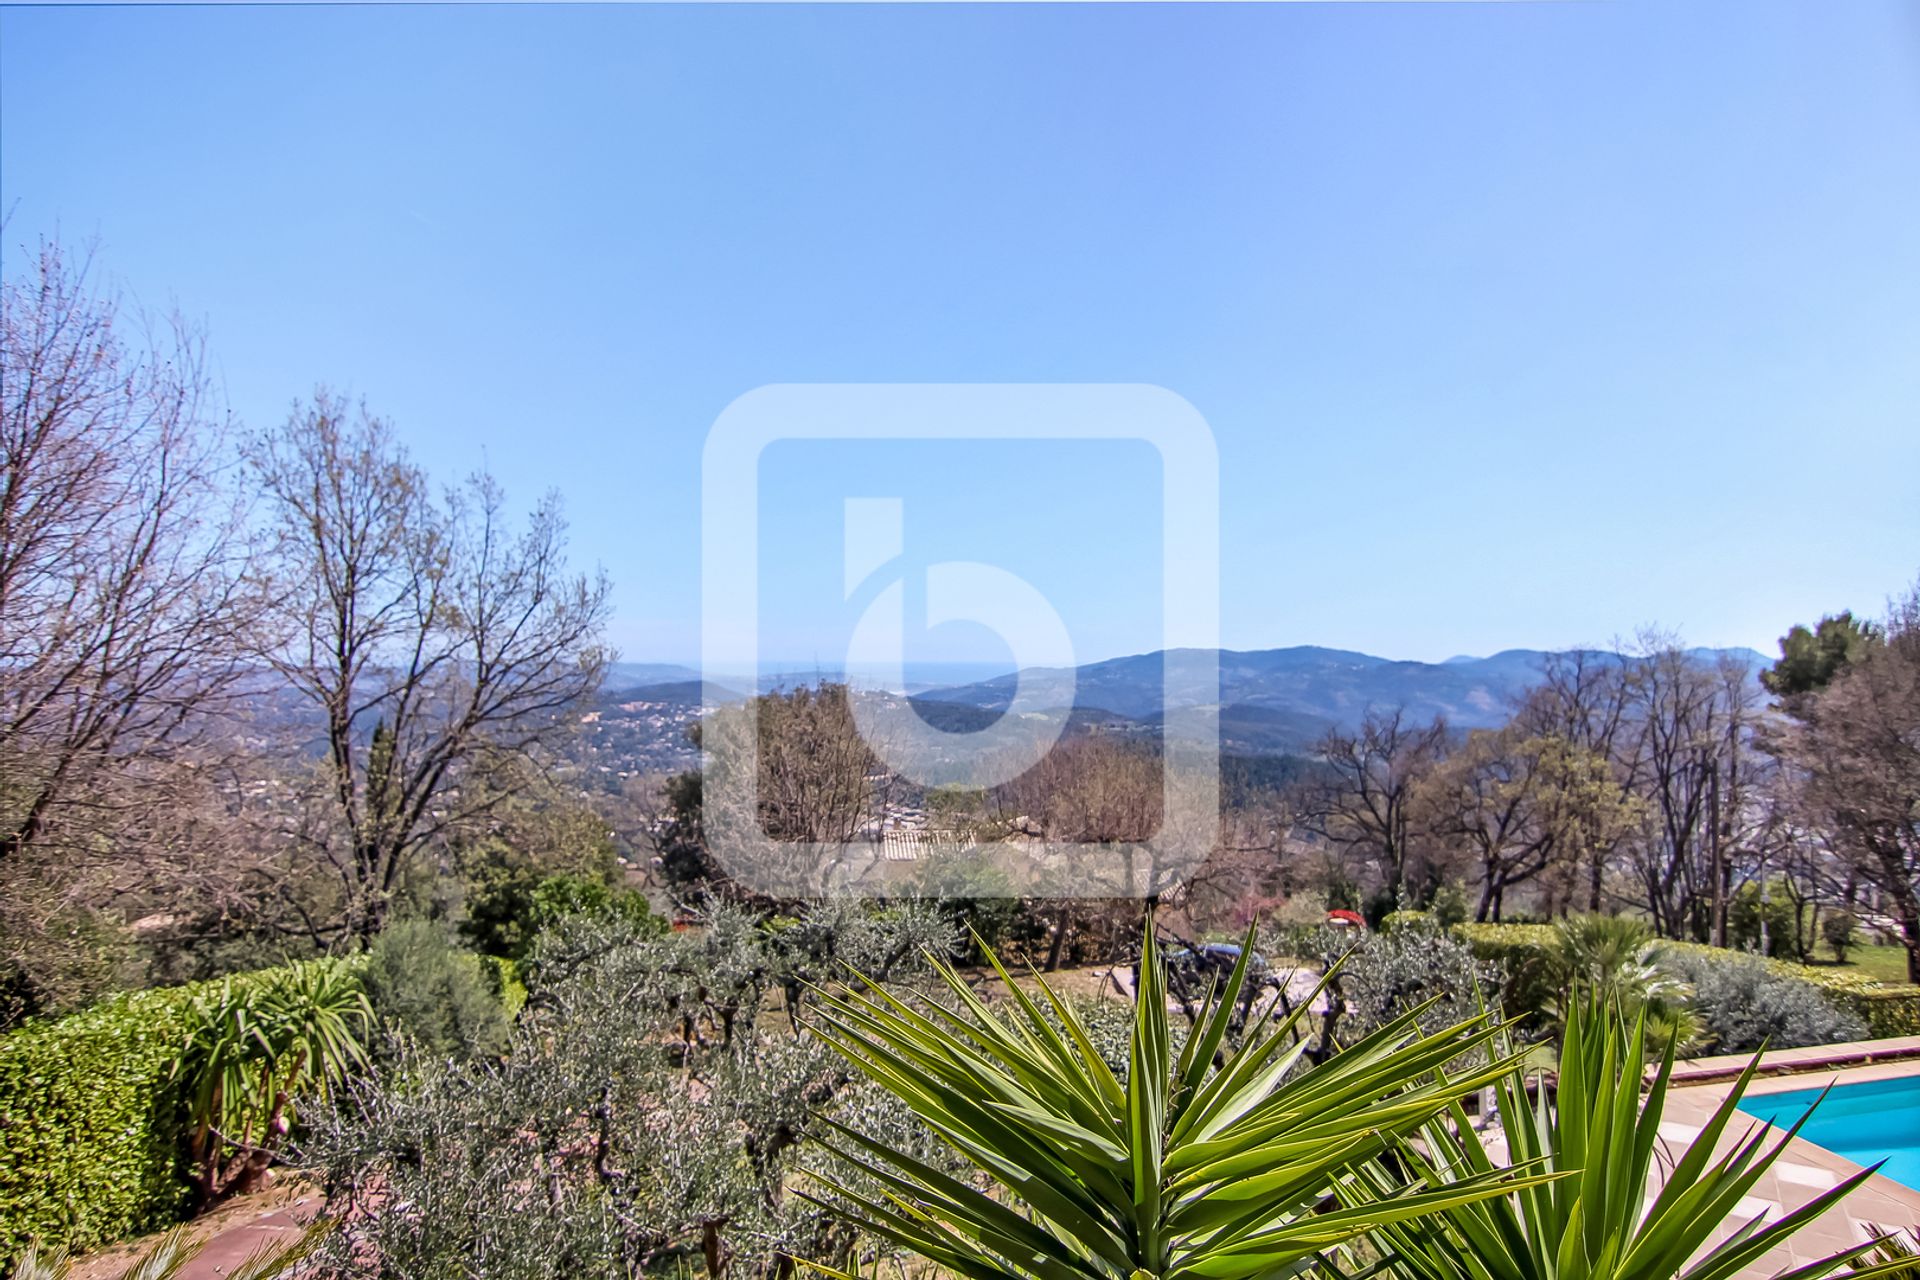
[[1863, 1122]]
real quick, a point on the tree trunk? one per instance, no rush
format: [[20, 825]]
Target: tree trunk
[[1910, 932], [713, 1247], [257, 1160], [1059, 943], [1486, 900]]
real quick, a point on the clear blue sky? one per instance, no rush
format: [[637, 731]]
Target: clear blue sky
[[1516, 324]]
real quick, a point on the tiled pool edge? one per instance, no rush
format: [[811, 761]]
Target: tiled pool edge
[[1804, 1169], [1814, 1058]]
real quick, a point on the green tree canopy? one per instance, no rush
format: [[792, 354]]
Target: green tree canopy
[[1809, 660]]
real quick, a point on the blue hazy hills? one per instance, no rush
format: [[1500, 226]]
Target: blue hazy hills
[[1269, 699]]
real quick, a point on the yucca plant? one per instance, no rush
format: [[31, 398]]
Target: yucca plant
[[1900, 1251], [253, 1046], [172, 1251], [1600, 1222], [1210, 1163]]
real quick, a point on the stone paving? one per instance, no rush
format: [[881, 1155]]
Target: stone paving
[[1803, 1170], [230, 1236]]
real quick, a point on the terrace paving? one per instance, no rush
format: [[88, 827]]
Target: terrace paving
[[1804, 1169], [231, 1235], [1811, 1058]]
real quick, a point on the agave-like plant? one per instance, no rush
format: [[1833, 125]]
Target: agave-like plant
[[1900, 1252], [1210, 1163], [252, 1047], [1601, 1222]]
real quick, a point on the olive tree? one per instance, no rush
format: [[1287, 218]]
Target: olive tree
[[645, 1114]]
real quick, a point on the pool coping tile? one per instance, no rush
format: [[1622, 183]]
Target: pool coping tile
[[1804, 1169]]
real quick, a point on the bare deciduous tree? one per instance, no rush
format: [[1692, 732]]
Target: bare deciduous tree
[[1365, 804], [118, 598], [1582, 698], [423, 636], [1106, 794], [1090, 790], [121, 601], [1689, 738], [817, 791]]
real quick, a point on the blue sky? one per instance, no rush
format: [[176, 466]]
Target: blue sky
[[1516, 324]]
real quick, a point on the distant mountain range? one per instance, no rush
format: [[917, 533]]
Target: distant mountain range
[[623, 676], [1282, 699], [1272, 701], [637, 675]]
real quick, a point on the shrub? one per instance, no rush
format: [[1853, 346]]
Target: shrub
[[1504, 943], [1377, 905], [91, 1123], [254, 1045], [1887, 1008], [1449, 906], [1342, 894], [567, 894], [977, 896], [94, 1118], [588, 1107], [643, 1114], [498, 919], [1777, 910], [503, 980], [445, 999], [1390, 973], [1743, 1003], [509, 901], [1305, 907], [1840, 929]]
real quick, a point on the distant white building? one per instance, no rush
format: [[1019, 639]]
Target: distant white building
[[913, 844]]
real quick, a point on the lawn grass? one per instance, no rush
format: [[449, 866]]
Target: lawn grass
[[1880, 961], [1887, 963]]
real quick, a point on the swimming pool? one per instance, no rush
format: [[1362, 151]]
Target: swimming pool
[[1876, 1120]]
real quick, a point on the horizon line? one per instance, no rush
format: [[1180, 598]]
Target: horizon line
[[792, 666]]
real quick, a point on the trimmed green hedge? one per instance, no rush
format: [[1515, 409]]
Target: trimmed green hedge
[[1888, 1008], [90, 1124], [1502, 942]]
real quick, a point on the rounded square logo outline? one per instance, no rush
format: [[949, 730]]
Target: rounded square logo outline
[[1190, 559]]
